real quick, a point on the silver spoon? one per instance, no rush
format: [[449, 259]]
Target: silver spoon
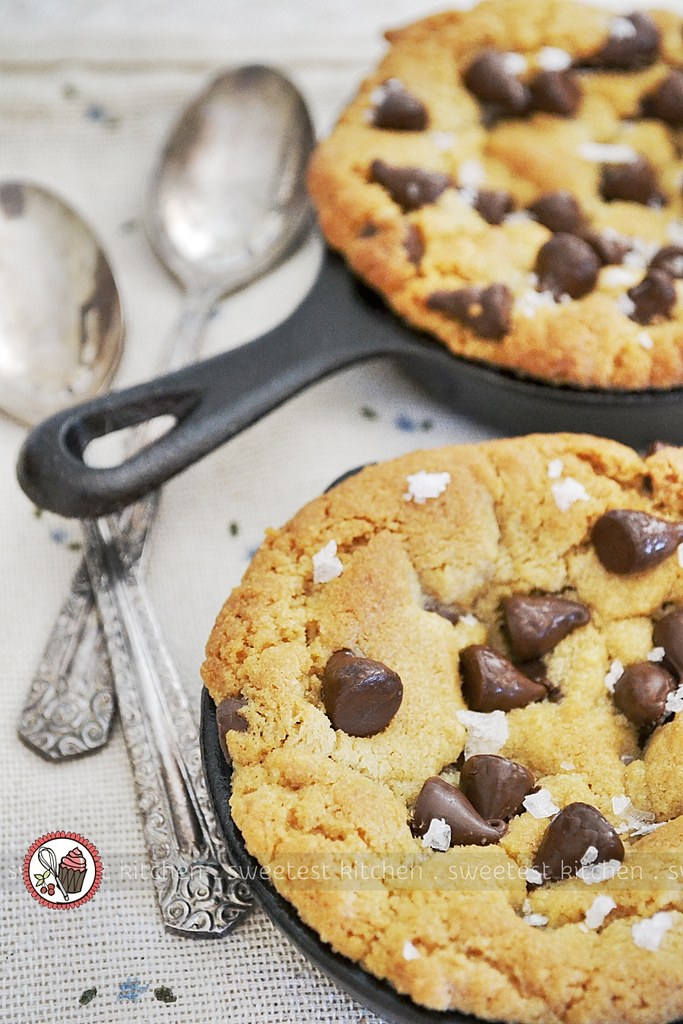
[[225, 203], [61, 329]]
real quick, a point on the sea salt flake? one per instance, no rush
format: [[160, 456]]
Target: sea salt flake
[[567, 766], [656, 654], [438, 835], [555, 467], [674, 702], [590, 856], [326, 565], [486, 733], [468, 196], [602, 153], [443, 140], [471, 174], [410, 952], [518, 217], [540, 804], [674, 230], [552, 58], [598, 911], [536, 920], [422, 486], [620, 804], [615, 672], [621, 28], [514, 63], [645, 340], [530, 301], [625, 304], [649, 934], [619, 277], [568, 491], [469, 619], [592, 874], [533, 877], [679, 553]]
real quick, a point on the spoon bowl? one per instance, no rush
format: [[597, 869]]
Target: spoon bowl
[[61, 326], [228, 197]]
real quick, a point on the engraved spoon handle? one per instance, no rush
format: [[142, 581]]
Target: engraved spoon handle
[[199, 892], [69, 707]]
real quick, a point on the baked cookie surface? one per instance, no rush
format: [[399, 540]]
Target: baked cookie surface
[[509, 179], [435, 693]]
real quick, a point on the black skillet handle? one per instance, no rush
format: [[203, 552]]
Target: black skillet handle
[[337, 324]]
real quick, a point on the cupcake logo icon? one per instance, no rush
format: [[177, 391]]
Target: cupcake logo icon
[[62, 870]]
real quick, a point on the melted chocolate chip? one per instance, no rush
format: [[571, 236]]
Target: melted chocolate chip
[[490, 81], [566, 265], [368, 231], [653, 299], [666, 102], [635, 182], [413, 244], [492, 683], [410, 187], [494, 205], [495, 786], [485, 310], [361, 696], [399, 110], [641, 692], [558, 211], [451, 612], [537, 624], [228, 718], [669, 259], [569, 835], [626, 52], [668, 633], [627, 541], [609, 249], [556, 92], [437, 799]]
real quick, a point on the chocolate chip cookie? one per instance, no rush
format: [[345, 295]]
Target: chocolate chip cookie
[[452, 693], [510, 180]]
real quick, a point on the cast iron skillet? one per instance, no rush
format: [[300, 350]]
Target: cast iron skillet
[[376, 995], [339, 323]]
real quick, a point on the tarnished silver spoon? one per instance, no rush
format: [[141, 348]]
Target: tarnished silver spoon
[[61, 330], [226, 202]]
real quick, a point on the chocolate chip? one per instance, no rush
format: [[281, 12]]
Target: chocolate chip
[[494, 205], [641, 692], [654, 298], [566, 265], [628, 50], [536, 670], [669, 259], [537, 624], [627, 541], [368, 231], [491, 82], [361, 696], [666, 102], [410, 187], [228, 718], [485, 310], [437, 799], [492, 683], [452, 612], [634, 182], [413, 244], [494, 785], [668, 633], [568, 837], [609, 248], [558, 211], [555, 92], [399, 110]]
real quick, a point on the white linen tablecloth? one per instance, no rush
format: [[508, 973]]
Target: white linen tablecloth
[[87, 93]]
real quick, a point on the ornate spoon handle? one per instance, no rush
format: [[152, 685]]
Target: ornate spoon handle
[[69, 707], [199, 892]]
